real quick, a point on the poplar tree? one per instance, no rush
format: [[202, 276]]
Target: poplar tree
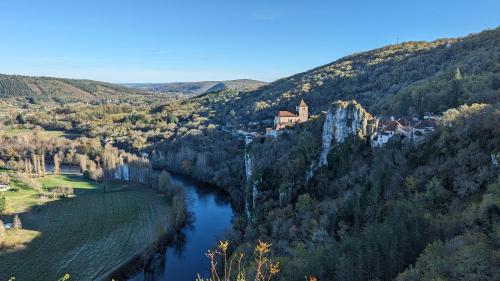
[[57, 164], [42, 164], [82, 161], [35, 164], [3, 233], [17, 222]]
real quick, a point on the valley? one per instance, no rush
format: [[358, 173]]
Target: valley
[[197, 88], [328, 185]]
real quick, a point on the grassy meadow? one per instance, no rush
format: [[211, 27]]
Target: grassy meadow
[[85, 235], [18, 132], [23, 197]]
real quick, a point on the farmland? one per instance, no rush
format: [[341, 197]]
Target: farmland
[[22, 197], [86, 235]]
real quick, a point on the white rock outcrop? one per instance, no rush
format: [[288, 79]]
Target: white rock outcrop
[[343, 119]]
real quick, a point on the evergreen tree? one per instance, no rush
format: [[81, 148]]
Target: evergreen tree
[[3, 205], [20, 118], [163, 180]]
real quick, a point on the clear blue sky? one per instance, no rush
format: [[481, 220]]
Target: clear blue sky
[[164, 41]]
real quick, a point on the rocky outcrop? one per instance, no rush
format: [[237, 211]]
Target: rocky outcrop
[[248, 180], [344, 119], [251, 190]]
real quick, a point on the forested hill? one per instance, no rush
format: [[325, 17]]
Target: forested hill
[[62, 90], [197, 88], [407, 78]]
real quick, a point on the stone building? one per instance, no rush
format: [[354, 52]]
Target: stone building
[[287, 118]]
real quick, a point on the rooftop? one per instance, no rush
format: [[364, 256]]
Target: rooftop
[[286, 114]]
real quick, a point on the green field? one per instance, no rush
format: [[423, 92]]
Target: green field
[[12, 132], [24, 198], [85, 235]]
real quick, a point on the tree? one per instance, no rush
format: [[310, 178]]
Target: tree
[[109, 161], [3, 233], [83, 162], [3, 205], [4, 179], [37, 132], [458, 74], [17, 222], [57, 164], [36, 167], [411, 184], [187, 166], [163, 180], [42, 164], [20, 118]]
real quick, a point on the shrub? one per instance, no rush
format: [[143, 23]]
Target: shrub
[[265, 268]]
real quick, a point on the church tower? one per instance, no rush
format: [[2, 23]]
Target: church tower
[[302, 111]]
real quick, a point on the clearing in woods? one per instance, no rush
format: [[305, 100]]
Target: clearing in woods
[[86, 235]]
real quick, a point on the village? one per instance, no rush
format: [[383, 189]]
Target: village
[[407, 129]]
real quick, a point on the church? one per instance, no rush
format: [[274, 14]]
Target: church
[[287, 118]]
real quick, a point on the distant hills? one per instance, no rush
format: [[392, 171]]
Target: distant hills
[[198, 88], [63, 90]]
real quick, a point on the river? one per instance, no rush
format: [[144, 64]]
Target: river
[[212, 217]]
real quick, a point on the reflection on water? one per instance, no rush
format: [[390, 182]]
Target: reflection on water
[[185, 258]]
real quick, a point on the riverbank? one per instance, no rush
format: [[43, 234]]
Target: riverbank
[[138, 261], [182, 256]]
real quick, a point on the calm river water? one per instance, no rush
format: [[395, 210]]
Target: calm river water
[[212, 215]]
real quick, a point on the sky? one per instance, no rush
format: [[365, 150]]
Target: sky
[[165, 41]]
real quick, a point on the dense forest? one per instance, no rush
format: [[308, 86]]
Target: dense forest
[[411, 212], [63, 91]]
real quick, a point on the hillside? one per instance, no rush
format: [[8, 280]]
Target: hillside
[[407, 78], [197, 88], [63, 90], [319, 192]]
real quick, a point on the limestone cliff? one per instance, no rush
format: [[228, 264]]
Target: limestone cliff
[[343, 119]]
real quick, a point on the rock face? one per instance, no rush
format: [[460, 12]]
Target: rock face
[[248, 180], [250, 183], [343, 119]]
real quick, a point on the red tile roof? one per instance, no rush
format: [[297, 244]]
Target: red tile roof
[[392, 126], [286, 114]]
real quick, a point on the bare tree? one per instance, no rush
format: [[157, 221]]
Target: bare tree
[[3, 233], [42, 164], [57, 164], [17, 222]]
